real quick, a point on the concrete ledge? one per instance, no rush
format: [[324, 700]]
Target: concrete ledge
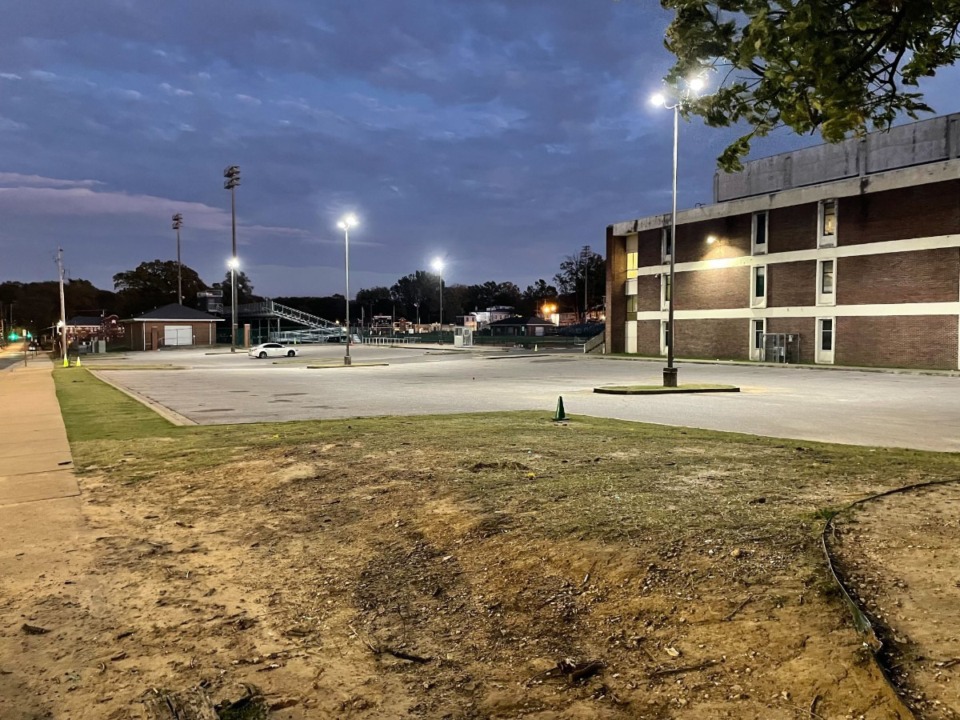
[[161, 410], [661, 390], [341, 365]]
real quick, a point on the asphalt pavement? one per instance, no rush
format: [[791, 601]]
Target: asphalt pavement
[[864, 408]]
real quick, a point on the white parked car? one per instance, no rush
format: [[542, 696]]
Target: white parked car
[[266, 350]]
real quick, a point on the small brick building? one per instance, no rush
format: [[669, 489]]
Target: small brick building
[[171, 326], [846, 254]]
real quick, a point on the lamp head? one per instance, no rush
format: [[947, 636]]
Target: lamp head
[[658, 99], [348, 221], [438, 265], [233, 263]]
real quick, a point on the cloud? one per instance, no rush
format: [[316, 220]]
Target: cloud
[[16, 180], [43, 75], [10, 76], [48, 197]]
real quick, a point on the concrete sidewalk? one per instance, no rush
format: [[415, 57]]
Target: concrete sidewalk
[[39, 495]]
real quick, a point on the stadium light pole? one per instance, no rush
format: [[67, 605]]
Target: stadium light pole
[[347, 222], [232, 175], [438, 268], [681, 95], [177, 223]]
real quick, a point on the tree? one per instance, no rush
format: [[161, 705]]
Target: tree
[[582, 279], [154, 284], [417, 290], [537, 295], [244, 289], [833, 66], [376, 301]]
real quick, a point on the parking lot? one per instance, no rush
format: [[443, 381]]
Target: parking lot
[[867, 408]]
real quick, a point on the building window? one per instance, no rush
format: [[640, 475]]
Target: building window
[[631, 304], [632, 264], [826, 340], [827, 235], [666, 242], [826, 335], [665, 291], [758, 328], [760, 224], [664, 337], [826, 282], [759, 286]]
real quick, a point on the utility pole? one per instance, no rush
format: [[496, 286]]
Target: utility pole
[[177, 223], [63, 309], [586, 284]]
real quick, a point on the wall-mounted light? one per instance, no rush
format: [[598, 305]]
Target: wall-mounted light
[[711, 239]]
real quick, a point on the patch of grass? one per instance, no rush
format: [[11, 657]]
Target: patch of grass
[[93, 410], [592, 478]]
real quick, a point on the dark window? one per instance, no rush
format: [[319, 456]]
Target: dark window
[[826, 334], [757, 334], [760, 230], [759, 282]]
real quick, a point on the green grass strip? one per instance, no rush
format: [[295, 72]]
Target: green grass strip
[[93, 410]]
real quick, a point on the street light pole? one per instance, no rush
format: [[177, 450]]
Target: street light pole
[[232, 175], [347, 222], [438, 266], [670, 372], [693, 86], [177, 222]]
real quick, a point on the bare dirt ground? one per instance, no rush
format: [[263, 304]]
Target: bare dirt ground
[[900, 556], [427, 568]]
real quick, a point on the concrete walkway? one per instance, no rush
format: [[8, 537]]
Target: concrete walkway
[[39, 497]]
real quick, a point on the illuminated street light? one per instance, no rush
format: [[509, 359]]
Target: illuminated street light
[[438, 268], [681, 95], [347, 222], [232, 175]]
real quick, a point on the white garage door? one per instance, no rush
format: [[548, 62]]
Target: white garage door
[[177, 335]]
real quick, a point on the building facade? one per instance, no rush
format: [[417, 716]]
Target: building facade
[[172, 326], [843, 254]]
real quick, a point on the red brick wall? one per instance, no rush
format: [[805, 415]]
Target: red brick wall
[[649, 251], [805, 327], [616, 302], [792, 284], [924, 341], [919, 276], [648, 337], [920, 211], [648, 292], [722, 288], [716, 339], [793, 228], [732, 239]]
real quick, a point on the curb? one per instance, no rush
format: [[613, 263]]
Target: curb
[[665, 391], [163, 411]]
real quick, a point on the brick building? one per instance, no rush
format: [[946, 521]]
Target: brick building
[[846, 254]]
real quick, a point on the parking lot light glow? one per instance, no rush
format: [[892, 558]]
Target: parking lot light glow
[[438, 268], [346, 222]]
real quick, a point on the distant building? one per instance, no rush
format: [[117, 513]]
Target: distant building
[[87, 328], [532, 326], [172, 325], [846, 254], [484, 318]]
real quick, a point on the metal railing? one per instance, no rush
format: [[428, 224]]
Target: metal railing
[[269, 308], [597, 341], [378, 340]]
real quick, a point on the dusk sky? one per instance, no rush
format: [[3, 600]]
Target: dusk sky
[[501, 136]]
